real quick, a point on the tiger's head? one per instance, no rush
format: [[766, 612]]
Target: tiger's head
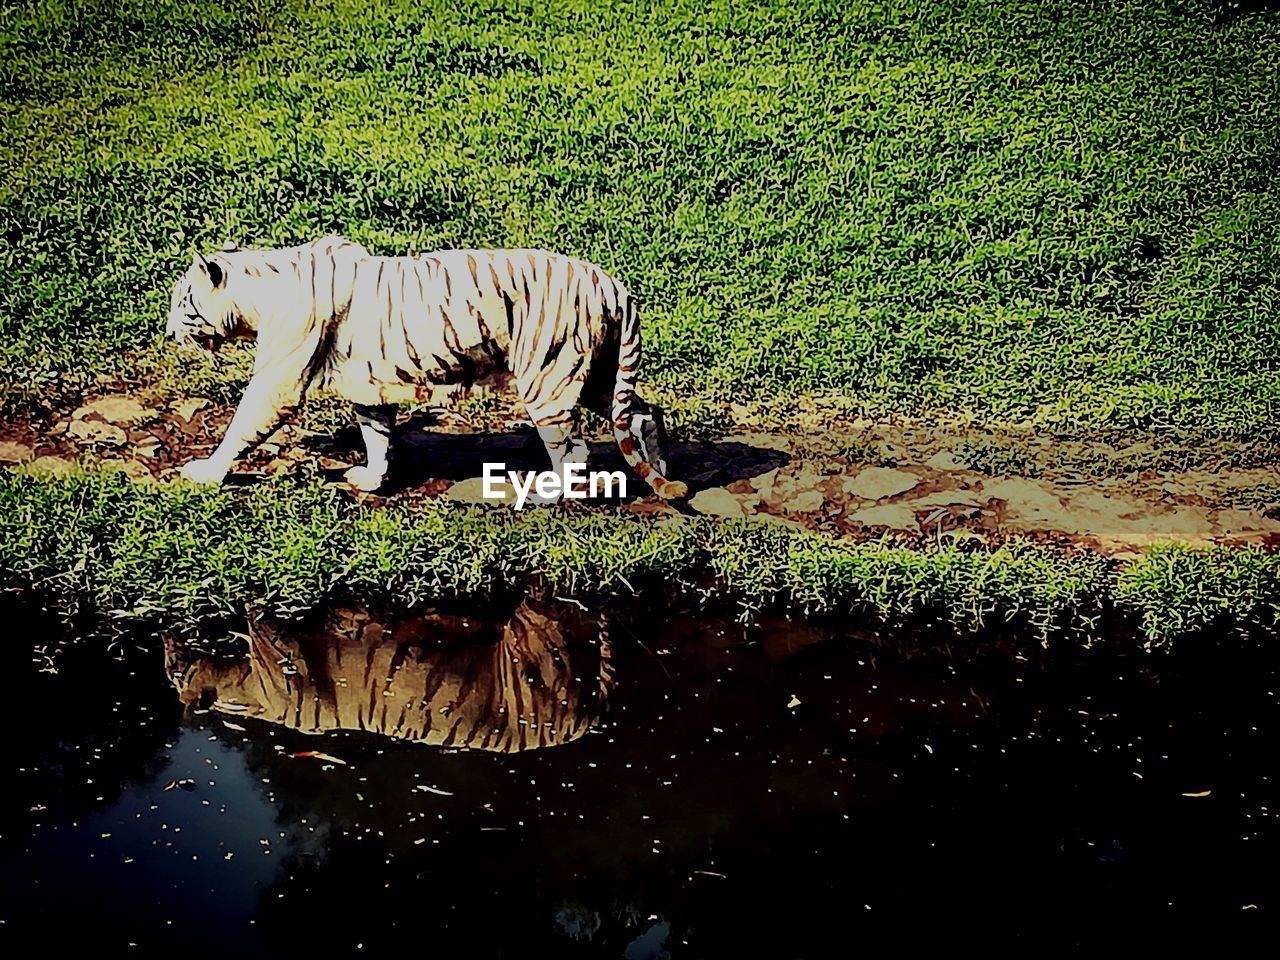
[[202, 310]]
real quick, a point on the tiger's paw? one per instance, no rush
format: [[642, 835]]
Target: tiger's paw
[[672, 490], [203, 471], [362, 478]]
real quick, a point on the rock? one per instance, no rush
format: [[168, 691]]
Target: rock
[[1092, 501], [944, 460], [188, 408], [806, 501], [718, 502], [97, 432], [763, 484], [11, 452], [50, 466], [877, 483], [1246, 521], [1181, 523], [895, 516], [1026, 498], [116, 410], [471, 490]]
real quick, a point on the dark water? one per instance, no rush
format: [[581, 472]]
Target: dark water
[[709, 793]]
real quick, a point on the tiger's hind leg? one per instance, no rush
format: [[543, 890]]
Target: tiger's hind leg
[[556, 420], [559, 434], [650, 431], [376, 424]]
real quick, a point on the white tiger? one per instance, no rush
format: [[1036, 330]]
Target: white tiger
[[381, 330]]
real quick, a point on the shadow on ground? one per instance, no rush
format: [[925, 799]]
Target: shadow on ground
[[428, 458]]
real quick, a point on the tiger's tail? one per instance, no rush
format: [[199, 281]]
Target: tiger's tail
[[624, 394]]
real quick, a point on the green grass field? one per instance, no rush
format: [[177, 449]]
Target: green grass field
[[1036, 214], [1047, 212]]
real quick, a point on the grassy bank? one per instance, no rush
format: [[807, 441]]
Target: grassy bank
[[1039, 211], [189, 559]]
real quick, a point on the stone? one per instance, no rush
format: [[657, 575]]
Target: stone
[[944, 460], [471, 490], [11, 452], [1026, 498], [1181, 523], [763, 484], [116, 410], [188, 408], [805, 501], [895, 516], [718, 502], [97, 432], [1246, 521], [1092, 501], [877, 483]]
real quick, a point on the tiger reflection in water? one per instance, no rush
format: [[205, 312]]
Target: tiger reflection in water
[[534, 680]]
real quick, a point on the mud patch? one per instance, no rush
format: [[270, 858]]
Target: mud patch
[[894, 483]]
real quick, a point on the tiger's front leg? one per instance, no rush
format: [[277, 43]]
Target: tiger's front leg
[[376, 424], [267, 400]]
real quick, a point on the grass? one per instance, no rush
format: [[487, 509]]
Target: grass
[[1032, 214], [1040, 212], [189, 560]]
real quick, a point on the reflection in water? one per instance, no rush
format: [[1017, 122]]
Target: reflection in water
[[748, 793], [532, 680]]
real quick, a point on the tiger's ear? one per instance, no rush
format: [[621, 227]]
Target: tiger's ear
[[211, 268]]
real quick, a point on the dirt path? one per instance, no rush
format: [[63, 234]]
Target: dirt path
[[888, 482]]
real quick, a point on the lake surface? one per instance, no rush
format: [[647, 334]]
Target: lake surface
[[537, 784]]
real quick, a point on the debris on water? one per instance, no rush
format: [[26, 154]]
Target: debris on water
[[186, 783], [317, 755], [653, 788]]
